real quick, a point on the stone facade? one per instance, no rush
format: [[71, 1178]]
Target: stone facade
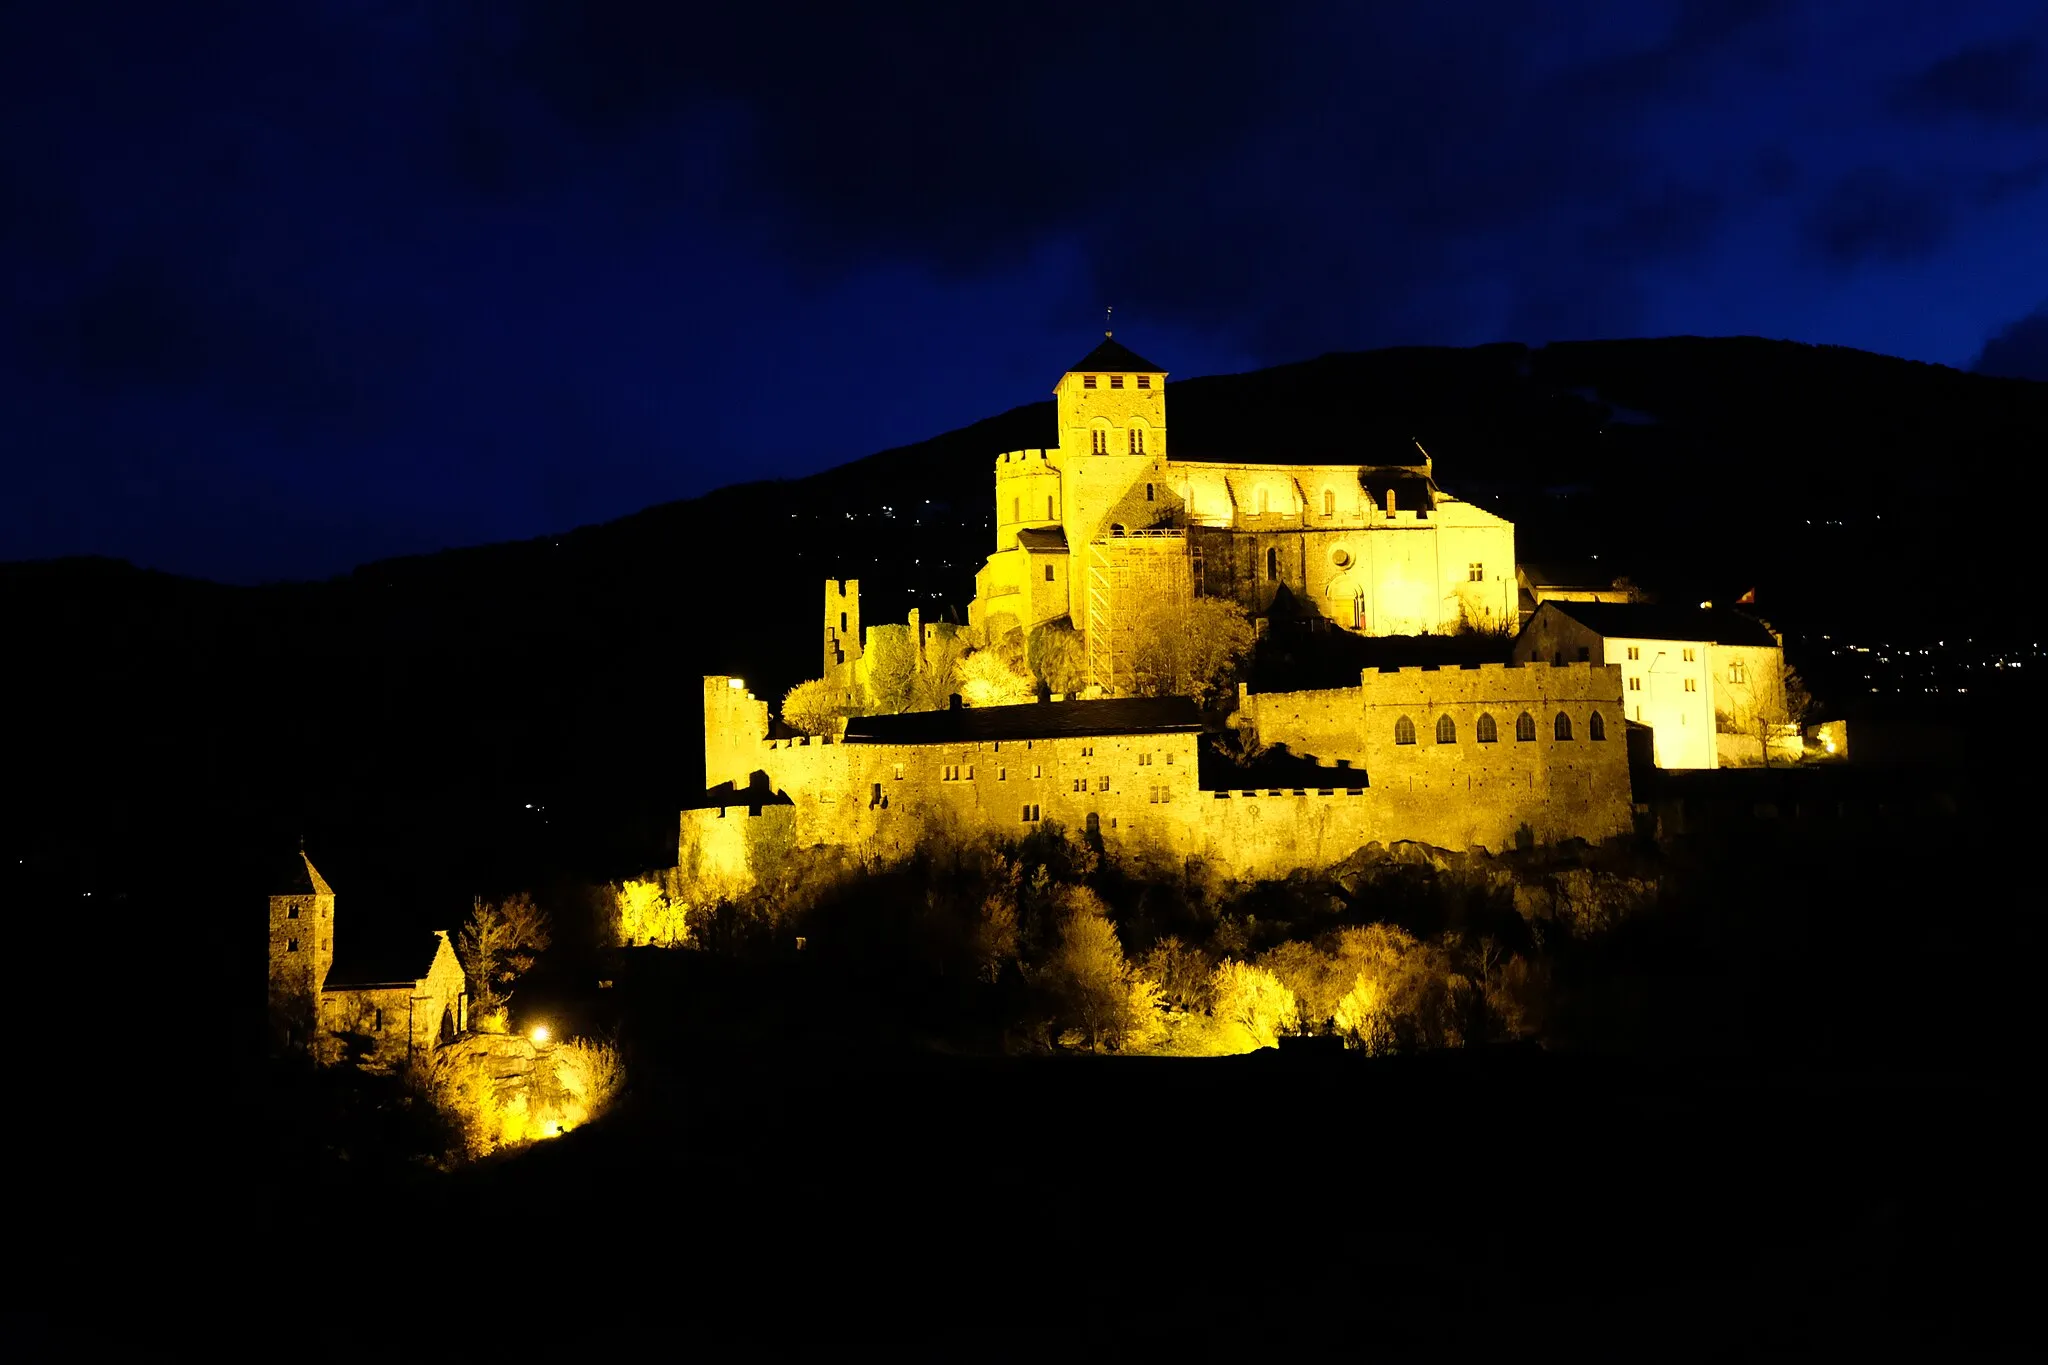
[[1376, 549], [388, 1022], [1141, 791], [1709, 684], [377, 1015], [301, 929]]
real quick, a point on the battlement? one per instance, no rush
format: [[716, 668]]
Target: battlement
[[841, 587], [1483, 668], [1018, 462]]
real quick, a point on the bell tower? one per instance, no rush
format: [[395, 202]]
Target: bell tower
[[1112, 424]]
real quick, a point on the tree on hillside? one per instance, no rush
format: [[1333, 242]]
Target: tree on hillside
[[892, 663], [1251, 1002], [937, 667], [987, 679], [1090, 975], [498, 943], [1192, 649], [812, 707], [1055, 656]]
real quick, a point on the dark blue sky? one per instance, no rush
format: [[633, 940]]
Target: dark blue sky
[[294, 285]]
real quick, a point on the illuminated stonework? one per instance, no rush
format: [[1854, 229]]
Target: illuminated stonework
[[383, 1003], [1108, 523]]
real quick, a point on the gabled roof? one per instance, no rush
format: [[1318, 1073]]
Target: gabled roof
[[1043, 538], [295, 875], [1044, 720], [1113, 357], [1652, 621], [1557, 573], [365, 957]]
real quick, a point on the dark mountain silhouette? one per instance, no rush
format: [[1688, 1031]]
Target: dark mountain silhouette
[[483, 718]]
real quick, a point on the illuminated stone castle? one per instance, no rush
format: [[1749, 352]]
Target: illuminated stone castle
[[1107, 530], [1108, 524]]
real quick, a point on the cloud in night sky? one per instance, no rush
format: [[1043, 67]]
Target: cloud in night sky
[[291, 286], [2019, 351]]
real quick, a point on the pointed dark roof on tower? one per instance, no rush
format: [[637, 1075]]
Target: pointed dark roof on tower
[[1113, 357], [296, 876]]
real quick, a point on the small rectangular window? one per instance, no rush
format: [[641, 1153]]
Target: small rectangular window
[[292, 913], [291, 945], [1048, 507], [1635, 684], [1635, 651], [1692, 684], [1148, 492], [899, 772], [1116, 381], [1080, 784], [1038, 770], [1048, 573], [1002, 774], [1105, 783], [1144, 381], [1087, 381], [1736, 672], [1688, 656], [1016, 509], [1030, 814], [1329, 503], [1087, 751], [1475, 572]]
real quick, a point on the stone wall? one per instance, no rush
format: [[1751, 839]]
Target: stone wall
[[302, 942]]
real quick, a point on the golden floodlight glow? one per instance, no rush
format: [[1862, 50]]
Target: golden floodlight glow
[[540, 1034], [736, 684]]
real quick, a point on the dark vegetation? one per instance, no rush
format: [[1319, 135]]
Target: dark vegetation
[[1775, 1097]]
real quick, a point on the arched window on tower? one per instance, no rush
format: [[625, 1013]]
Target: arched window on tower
[[1099, 441], [1596, 728], [1563, 727], [1137, 441], [1404, 731], [1486, 731], [1446, 730], [1272, 566], [1525, 727]]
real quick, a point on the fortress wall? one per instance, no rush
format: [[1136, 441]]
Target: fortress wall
[[1323, 725]]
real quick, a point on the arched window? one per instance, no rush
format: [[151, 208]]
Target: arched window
[[1329, 502], [1596, 728], [1563, 726], [1525, 727], [1148, 491], [1446, 730], [1486, 731], [1272, 566], [1404, 731], [1137, 441]]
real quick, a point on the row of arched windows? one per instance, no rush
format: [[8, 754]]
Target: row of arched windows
[[1487, 732]]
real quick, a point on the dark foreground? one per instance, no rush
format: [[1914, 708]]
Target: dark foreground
[[1439, 1205]]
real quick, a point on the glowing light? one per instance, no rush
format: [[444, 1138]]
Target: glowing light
[[540, 1035], [736, 684]]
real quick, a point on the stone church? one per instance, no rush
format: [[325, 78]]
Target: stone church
[[383, 1000], [1107, 527]]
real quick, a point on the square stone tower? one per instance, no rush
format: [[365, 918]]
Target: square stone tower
[[301, 927], [1112, 424]]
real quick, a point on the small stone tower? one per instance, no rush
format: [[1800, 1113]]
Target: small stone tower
[[301, 928], [842, 624]]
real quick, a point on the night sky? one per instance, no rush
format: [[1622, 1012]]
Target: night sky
[[292, 285]]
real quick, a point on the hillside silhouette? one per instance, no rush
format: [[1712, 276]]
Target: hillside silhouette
[[484, 718]]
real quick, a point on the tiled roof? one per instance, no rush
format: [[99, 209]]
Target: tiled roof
[[1044, 720], [1043, 538], [1652, 621], [1113, 357]]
